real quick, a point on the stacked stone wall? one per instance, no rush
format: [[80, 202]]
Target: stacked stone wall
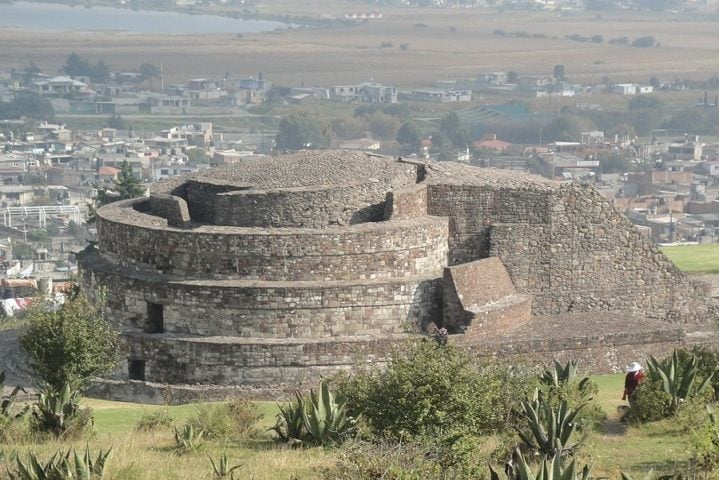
[[307, 207], [200, 197], [568, 248], [590, 257], [471, 209], [406, 203], [222, 361], [171, 208], [367, 251], [269, 309]]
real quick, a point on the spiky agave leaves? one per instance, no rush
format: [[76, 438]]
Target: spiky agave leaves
[[678, 382], [319, 419], [550, 430], [548, 469]]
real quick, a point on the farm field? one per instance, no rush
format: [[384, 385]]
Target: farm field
[[438, 44]]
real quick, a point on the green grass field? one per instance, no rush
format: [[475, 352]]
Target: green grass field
[[614, 447], [695, 258]]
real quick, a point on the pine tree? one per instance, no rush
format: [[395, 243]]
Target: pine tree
[[126, 186]]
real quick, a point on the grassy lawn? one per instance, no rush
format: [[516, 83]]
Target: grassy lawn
[[661, 446], [695, 258]]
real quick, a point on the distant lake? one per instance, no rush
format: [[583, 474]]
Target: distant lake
[[62, 18]]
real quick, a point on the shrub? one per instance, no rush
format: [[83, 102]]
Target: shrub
[[678, 377], [237, 418], [561, 383], [398, 460], [70, 345], [11, 418], [433, 390], [149, 422], [649, 402]]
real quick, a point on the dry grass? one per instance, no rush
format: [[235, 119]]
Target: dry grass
[[351, 54]]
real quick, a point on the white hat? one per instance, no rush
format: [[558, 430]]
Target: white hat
[[633, 367]]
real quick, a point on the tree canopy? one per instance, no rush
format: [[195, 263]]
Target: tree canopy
[[77, 66], [70, 345], [300, 130]]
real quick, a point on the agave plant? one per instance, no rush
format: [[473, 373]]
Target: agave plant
[[222, 468], [325, 418], [54, 409], [320, 419], [290, 425], [60, 466], [678, 382], [563, 375], [188, 439], [550, 430], [548, 469]]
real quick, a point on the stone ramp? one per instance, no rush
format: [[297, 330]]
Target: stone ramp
[[480, 299]]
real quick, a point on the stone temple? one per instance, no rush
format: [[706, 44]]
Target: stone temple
[[276, 271]]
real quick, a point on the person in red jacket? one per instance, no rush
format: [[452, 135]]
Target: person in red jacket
[[634, 376]]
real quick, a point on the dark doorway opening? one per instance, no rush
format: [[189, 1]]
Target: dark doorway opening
[[155, 322], [136, 369]]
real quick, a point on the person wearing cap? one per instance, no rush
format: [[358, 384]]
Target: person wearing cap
[[631, 381]]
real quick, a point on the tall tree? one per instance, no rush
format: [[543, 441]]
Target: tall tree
[[409, 136], [455, 130], [559, 72], [126, 186]]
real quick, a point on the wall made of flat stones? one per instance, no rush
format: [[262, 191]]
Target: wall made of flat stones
[[588, 256], [267, 309], [367, 251], [171, 208], [471, 209], [307, 207], [407, 202], [213, 360]]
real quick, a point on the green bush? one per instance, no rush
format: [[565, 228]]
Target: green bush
[[704, 439], [433, 390], [649, 402], [680, 382], [150, 422], [234, 419], [417, 460], [70, 345], [707, 366]]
